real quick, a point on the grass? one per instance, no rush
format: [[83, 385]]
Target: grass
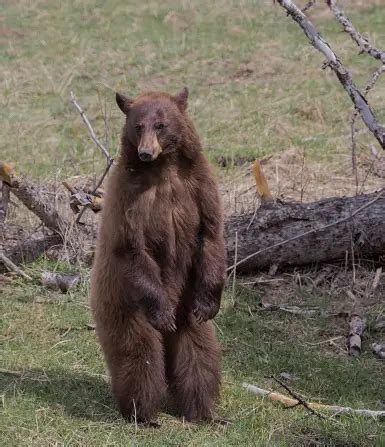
[[62, 397], [256, 89], [95, 48]]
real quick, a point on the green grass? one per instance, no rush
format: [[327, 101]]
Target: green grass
[[95, 48], [62, 397], [92, 47]]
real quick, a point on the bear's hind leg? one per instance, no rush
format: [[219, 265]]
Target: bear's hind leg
[[193, 370], [136, 364]]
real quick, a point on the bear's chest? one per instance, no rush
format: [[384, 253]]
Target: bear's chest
[[172, 221]]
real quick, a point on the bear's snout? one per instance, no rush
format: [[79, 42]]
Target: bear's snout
[[146, 155]]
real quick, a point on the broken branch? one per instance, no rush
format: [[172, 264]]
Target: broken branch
[[12, 267], [91, 131], [362, 42], [289, 402], [357, 327], [34, 198], [343, 75], [298, 398], [96, 140]]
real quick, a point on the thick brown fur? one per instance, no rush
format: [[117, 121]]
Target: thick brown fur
[[160, 264]]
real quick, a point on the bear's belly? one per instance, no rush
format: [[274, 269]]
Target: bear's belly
[[171, 239]]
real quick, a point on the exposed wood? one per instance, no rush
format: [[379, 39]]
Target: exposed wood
[[263, 189], [286, 235], [289, 402], [34, 198], [82, 199], [300, 400], [357, 328], [12, 267], [294, 234]]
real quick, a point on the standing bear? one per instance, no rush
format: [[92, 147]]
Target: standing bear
[[160, 264]]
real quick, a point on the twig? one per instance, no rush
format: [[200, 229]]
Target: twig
[[353, 131], [377, 278], [288, 402], [343, 75], [235, 269], [314, 230], [368, 87], [308, 5], [298, 398], [358, 38], [96, 140], [323, 342], [13, 267], [86, 121]]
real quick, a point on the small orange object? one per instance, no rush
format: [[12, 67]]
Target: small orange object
[[6, 171], [263, 189]]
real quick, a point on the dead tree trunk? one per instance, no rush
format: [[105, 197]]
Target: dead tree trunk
[[303, 233], [286, 235]]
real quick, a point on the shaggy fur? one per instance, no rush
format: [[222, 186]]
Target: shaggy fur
[[160, 264]]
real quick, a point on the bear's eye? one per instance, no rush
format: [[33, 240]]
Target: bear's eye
[[159, 126], [138, 128]]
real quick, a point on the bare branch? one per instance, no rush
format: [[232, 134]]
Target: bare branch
[[96, 140], [86, 121], [343, 75], [308, 5], [12, 267], [289, 402], [34, 198], [353, 129], [298, 398], [362, 42]]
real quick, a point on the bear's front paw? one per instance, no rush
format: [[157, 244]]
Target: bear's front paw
[[204, 311], [164, 321]]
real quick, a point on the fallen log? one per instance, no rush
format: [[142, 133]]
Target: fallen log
[[283, 234], [294, 234]]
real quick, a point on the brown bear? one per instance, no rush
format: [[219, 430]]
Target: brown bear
[[160, 264]]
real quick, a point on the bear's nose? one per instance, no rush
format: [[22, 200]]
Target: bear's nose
[[145, 155]]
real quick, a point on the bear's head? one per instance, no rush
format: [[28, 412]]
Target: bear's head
[[156, 125]]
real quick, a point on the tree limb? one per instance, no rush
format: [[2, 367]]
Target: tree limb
[[289, 402], [86, 121], [98, 143], [34, 198], [343, 75], [298, 398], [12, 267], [362, 42]]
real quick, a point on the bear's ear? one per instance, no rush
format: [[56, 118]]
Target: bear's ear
[[181, 99], [123, 102]]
